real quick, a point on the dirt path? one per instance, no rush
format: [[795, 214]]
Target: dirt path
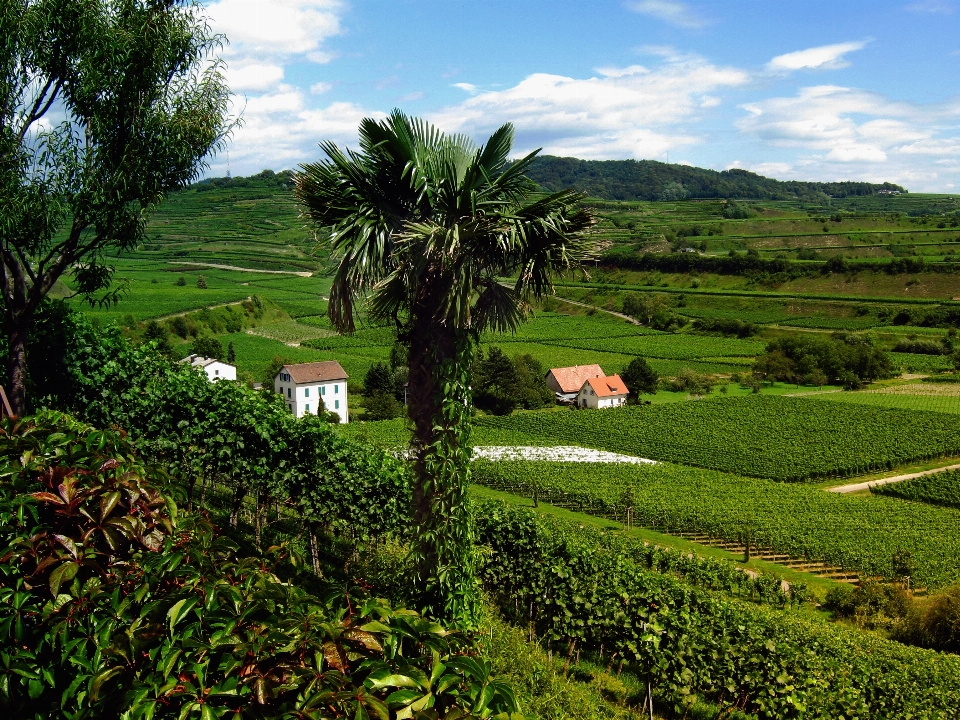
[[241, 269], [208, 307], [856, 487], [599, 309]]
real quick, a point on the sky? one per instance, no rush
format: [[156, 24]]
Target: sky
[[808, 90]]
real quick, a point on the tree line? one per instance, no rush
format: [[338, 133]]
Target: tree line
[[653, 180]]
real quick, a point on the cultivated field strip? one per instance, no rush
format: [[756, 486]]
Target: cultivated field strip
[[781, 438], [855, 534]]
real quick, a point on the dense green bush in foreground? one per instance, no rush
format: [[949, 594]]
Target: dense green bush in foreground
[[113, 606], [580, 593]]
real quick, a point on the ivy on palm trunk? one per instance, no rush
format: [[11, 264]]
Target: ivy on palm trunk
[[422, 227]]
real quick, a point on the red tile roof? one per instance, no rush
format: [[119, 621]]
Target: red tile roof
[[316, 372], [571, 379], [608, 386]]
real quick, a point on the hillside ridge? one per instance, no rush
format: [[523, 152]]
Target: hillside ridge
[[653, 180]]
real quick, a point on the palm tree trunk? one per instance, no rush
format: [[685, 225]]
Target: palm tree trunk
[[439, 405]]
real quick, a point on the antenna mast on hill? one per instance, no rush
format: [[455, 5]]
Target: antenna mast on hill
[[228, 163]]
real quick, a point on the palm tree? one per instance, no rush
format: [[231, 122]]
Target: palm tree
[[421, 226]]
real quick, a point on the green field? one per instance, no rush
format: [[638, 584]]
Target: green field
[[858, 532], [763, 436], [931, 397], [936, 489]]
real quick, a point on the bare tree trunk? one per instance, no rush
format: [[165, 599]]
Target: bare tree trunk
[[17, 366], [239, 493]]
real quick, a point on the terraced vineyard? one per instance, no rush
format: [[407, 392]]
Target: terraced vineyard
[[931, 397], [762, 436], [937, 489], [860, 533]]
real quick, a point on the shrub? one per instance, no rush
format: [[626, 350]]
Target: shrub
[[208, 347], [112, 605]]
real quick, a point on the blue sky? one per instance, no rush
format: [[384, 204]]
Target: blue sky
[[810, 90]]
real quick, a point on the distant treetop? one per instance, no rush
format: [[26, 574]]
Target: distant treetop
[[652, 180], [264, 178]]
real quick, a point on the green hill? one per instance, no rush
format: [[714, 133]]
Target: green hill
[[652, 180]]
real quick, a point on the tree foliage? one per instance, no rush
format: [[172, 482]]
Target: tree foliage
[[640, 378], [421, 226], [653, 180], [847, 359], [104, 108]]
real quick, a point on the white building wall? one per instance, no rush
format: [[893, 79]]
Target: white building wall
[[588, 399], [220, 371], [306, 398]]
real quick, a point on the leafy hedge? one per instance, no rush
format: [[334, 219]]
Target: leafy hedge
[[579, 592], [111, 605], [221, 440]]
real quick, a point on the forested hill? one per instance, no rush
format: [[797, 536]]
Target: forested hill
[[652, 180]]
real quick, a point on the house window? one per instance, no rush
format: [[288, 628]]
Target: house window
[[336, 389], [306, 392], [306, 408], [336, 404], [323, 389], [216, 371], [288, 392]]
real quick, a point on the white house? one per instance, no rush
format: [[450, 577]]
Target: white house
[[313, 387], [566, 382], [602, 392], [215, 369]]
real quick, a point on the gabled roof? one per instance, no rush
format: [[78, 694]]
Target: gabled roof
[[607, 386], [316, 372], [571, 379], [200, 361]]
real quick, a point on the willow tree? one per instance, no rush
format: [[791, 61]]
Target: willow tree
[[422, 228], [105, 106]]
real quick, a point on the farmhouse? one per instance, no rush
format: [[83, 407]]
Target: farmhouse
[[215, 369], [566, 382], [602, 392], [313, 388]]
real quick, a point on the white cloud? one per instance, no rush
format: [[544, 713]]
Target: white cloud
[[937, 7], [825, 57], [320, 88], [253, 76], [280, 131], [278, 27], [467, 87], [624, 113], [767, 169], [857, 153], [847, 133], [671, 11]]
